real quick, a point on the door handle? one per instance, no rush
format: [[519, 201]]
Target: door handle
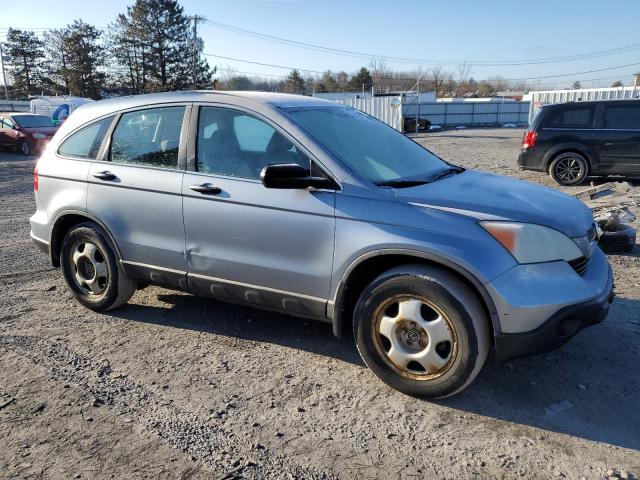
[[105, 175], [206, 189]]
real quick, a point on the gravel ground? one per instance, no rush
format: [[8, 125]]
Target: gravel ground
[[173, 386]]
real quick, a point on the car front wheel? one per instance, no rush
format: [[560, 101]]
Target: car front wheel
[[91, 270], [24, 148], [422, 331]]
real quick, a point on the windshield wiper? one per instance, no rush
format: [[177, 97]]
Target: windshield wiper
[[401, 183], [413, 182], [446, 172]]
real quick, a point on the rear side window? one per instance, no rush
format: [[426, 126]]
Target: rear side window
[[86, 142], [622, 117], [576, 117], [149, 137]]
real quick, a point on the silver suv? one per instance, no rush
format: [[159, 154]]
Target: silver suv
[[314, 209]]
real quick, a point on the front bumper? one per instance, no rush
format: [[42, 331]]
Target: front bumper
[[568, 302], [556, 331]]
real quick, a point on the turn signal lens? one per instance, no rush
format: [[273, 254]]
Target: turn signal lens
[[35, 179]]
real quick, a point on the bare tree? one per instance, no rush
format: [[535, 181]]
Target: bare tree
[[462, 79]]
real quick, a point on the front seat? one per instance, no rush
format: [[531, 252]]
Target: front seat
[[223, 155]]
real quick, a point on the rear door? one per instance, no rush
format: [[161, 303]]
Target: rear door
[[245, 242], [617, 140], [136, 191]]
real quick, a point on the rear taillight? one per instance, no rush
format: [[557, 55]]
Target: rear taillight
[[35, 179], [529, 139]]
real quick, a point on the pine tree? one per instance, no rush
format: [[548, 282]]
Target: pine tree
[[294, 83], [83, 59], [152, 42], [361, 80], [25, 66], [576, 85]]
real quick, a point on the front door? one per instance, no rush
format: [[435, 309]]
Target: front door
[[617, 142], [136, 193], [247, 243]]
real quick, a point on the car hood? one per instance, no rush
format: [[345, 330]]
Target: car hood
[[486, 196], [44, 130]]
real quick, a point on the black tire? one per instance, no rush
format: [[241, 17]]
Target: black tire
[[24, 148], [621, 241], [569, 168], [95, 292], [449, 297]]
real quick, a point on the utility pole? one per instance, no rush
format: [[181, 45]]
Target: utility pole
[[4, 76], [194, 50], [636, 83]]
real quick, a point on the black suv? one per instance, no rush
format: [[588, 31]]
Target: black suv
[[577, 139]]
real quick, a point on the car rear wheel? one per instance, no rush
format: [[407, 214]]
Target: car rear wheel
[[91, 270], [569, 168], [422, 331], [24, 148]]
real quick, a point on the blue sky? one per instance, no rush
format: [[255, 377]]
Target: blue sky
[[463, 30]]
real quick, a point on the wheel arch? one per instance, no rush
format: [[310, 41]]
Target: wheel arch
[[575, 147], [369, 265], [63, 222]]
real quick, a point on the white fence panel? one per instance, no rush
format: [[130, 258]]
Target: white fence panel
[[539, 99], [386, 109]]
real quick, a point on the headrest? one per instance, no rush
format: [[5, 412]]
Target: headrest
[[278, 143]]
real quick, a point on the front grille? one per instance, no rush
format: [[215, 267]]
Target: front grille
[[579, 264]]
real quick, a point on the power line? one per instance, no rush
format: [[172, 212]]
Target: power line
[[415, 78], [485, 63]]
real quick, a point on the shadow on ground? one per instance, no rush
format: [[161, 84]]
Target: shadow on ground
[[589, 388]]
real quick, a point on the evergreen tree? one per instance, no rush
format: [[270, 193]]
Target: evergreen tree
[[56, 64], [361, 81], [153, 43], [576, 85], [294, 83], [83, 60], [25, 66]]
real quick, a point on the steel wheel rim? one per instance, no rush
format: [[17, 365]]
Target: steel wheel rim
[[90, 270], [569, 169], [414, 345]]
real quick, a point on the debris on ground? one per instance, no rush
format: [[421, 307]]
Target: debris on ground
[[613, 205]]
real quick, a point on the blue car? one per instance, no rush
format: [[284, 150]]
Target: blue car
[[316, 210]]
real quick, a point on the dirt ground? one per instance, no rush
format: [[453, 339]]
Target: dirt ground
[[173, 386]]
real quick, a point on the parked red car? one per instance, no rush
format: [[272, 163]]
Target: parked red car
[[25, 132]]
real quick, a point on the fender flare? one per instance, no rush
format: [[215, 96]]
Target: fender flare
[[81, 213], [334, 311]]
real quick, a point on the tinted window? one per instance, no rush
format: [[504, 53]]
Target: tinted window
[[148, 137], [578, 117], [33, 121], [371, 148], [234, 144], [86, 142], [622, 116]]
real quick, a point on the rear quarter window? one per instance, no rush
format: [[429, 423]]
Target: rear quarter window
[[85, 143], [574, 117], [625, 117]]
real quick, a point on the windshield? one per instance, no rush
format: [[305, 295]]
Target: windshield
[[372, 149], [32, 121]]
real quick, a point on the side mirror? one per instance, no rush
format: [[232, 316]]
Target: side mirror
[[292, 175]]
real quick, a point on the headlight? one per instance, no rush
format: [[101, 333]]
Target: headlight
[[530, 243], [39, 136]]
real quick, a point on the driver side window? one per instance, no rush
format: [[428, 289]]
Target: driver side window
[[234, 144]]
